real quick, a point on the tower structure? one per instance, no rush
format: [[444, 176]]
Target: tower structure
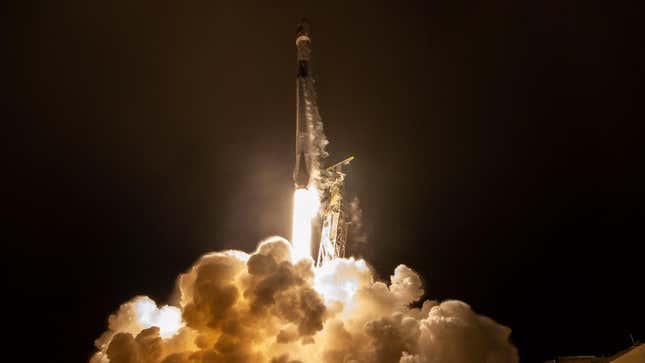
[[335, 221]]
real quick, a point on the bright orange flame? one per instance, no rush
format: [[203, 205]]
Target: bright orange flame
[[305, 206]]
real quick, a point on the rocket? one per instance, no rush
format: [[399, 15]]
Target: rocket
[[310, 150], [305, 153]]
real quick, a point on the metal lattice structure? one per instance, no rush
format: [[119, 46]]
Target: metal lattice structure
[[333, 239]]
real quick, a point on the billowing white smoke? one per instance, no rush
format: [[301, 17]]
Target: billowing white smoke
[[261, 307]]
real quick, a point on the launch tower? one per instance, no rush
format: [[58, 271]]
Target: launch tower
[[333, 238]]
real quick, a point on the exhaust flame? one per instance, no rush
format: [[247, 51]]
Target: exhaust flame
[[305, 206]]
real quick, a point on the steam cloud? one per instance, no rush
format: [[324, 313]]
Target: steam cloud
[[357, 233], [260, 307]]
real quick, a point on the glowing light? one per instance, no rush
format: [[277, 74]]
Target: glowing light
[[167, 319], [340, 279], [305, 206]]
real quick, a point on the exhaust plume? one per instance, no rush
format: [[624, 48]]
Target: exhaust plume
[[236, 307], [305, 207]]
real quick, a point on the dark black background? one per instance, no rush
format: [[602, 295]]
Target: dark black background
[[496, 148]]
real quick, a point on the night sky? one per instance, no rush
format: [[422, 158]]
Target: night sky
[[496, 147]]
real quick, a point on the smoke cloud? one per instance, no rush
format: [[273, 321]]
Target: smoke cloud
[[236, 307], [357, 233], [317, 136]]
